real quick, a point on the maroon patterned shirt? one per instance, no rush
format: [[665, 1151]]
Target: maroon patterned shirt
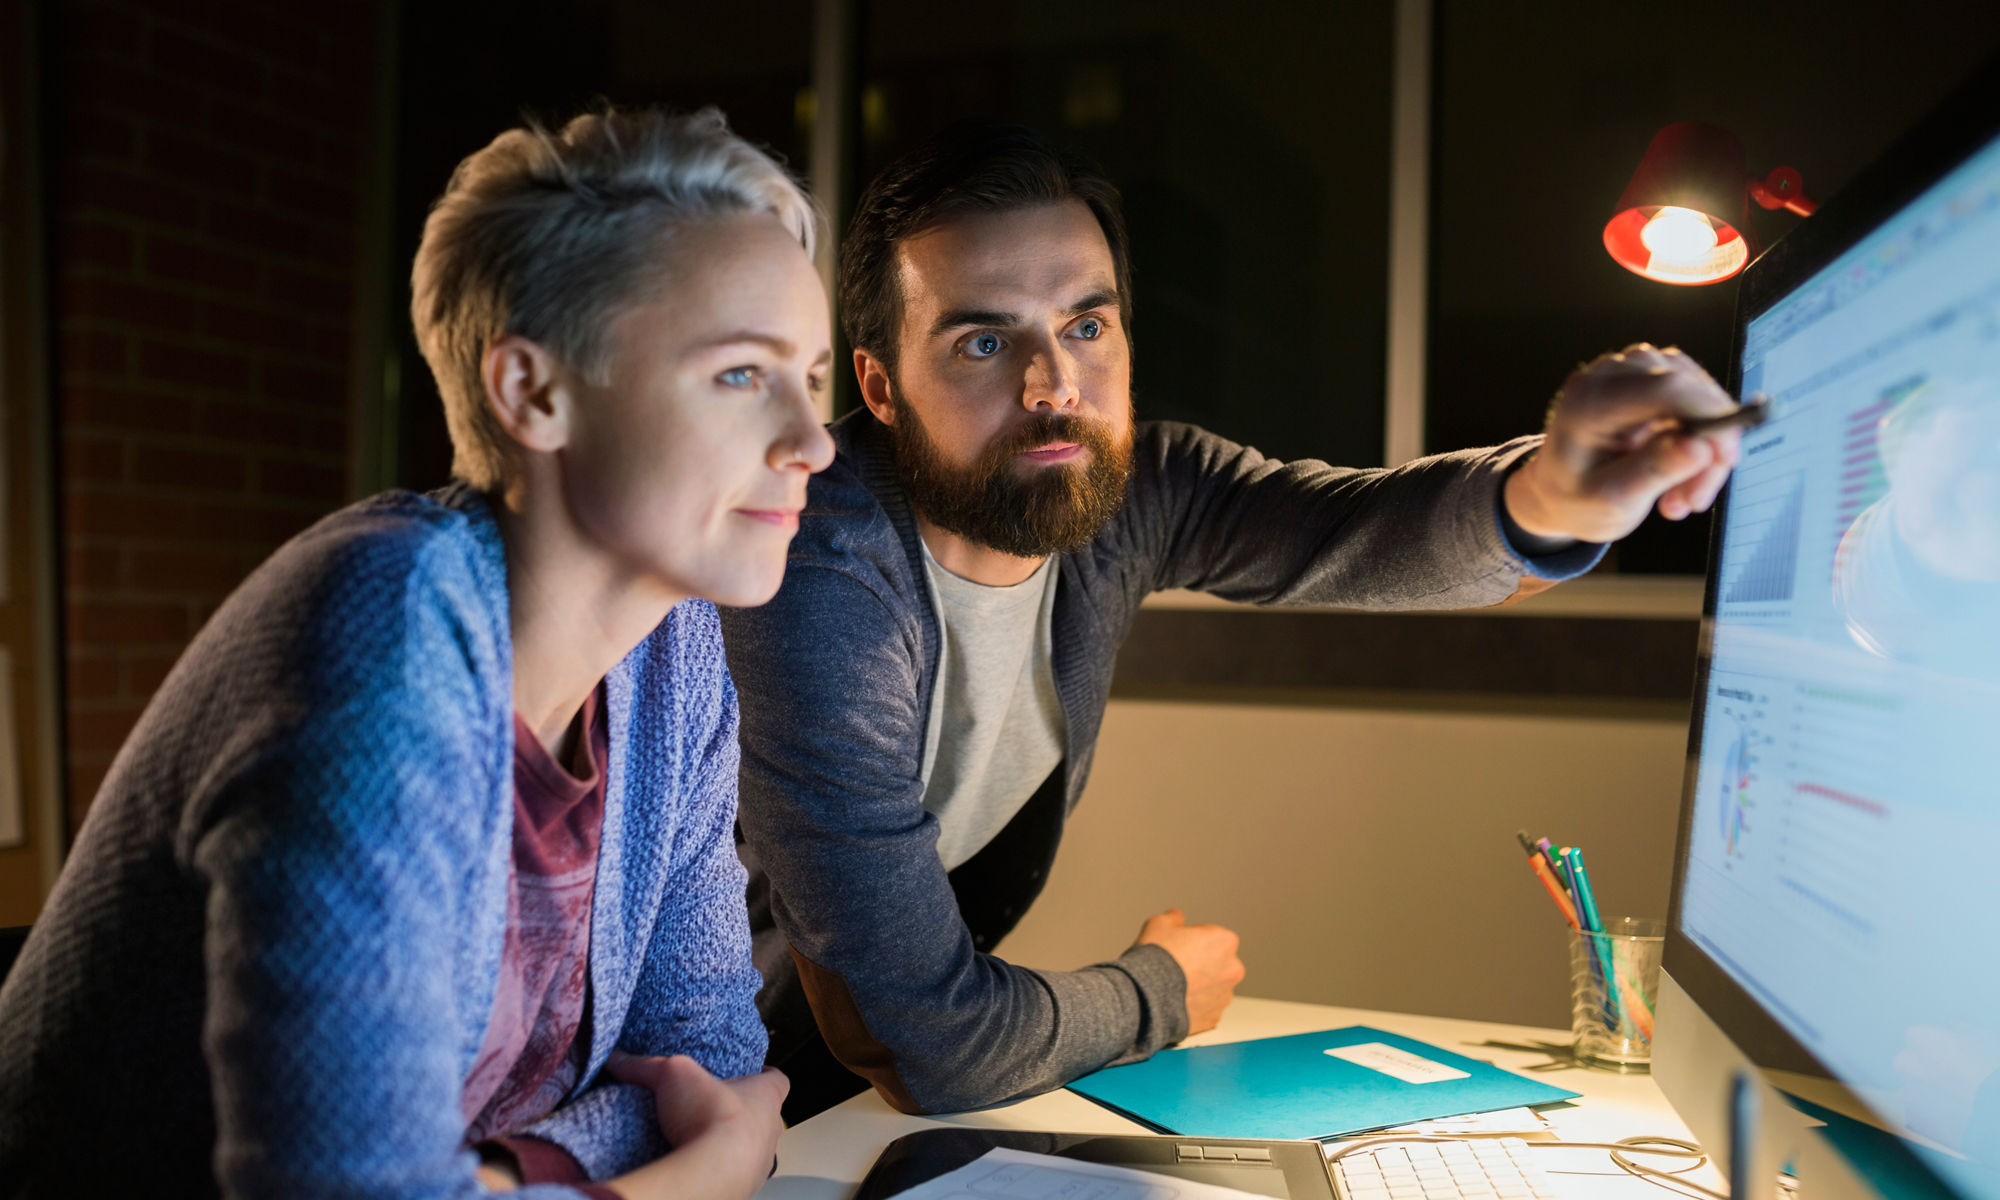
[[534, 1050]]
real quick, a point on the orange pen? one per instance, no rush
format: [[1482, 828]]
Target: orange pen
[[1540, 867]]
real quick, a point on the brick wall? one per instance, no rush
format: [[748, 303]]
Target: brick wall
[[204, 160]]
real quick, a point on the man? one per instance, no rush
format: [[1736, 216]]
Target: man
[[921, 701]]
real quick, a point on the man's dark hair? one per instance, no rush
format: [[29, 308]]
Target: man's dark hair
[[974, 166]]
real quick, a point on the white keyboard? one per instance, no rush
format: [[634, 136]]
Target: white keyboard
[[1482, 1169]]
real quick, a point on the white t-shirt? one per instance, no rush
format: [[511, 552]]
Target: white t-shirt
[[996, 723]]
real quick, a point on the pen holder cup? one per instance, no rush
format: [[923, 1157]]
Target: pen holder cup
[[1614, 984]]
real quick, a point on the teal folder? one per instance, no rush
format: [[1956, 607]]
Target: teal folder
[[1291, 1087]]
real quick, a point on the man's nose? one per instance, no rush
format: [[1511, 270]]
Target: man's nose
[[1051, 382]]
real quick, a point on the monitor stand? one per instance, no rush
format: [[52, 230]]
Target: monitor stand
[[1696, 1065]]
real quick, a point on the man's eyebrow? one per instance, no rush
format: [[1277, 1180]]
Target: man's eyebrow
[[1101, 298], [959, 318]]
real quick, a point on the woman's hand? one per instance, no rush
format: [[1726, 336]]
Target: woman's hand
[[723, 1133]]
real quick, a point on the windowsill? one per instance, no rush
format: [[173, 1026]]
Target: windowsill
[[1645, 596]]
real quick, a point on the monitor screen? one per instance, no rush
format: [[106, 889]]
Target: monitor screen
[[1841, 857]]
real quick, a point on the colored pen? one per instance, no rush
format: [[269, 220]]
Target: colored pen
[[1601, 965], [1541, 869], [1579, 881], [1619, 992], [1555, 864]]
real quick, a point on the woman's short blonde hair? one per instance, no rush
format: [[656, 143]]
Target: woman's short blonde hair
[[548, 236]]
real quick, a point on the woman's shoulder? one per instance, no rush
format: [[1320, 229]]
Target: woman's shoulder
[[398, 535], [393, 579]]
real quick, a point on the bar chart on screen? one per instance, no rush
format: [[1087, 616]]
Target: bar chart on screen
[[1761, 565]]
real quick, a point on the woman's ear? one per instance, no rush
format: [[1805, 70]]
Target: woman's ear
[[526, 392]]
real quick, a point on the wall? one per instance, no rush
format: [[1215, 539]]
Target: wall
[[30, 815], [204, 161], [1366, 856]]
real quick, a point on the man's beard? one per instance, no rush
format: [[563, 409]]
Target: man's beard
[[1004, 505]]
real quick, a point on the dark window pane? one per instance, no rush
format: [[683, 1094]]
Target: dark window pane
[[1252, 153], [469, 70]]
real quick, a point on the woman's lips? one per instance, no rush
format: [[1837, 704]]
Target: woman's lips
[[783, 518]]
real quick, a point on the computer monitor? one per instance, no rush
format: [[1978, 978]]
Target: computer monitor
[[1835, 921]]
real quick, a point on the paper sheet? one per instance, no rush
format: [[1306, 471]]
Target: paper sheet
[[1019, 1175], [1397, 1063]]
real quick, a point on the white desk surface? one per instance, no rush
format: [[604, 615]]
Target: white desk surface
[[825, 1157]]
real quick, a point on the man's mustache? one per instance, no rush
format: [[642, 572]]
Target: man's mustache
[[1055, 427]]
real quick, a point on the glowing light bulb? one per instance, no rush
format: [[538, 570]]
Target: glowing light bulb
[[1678, 235]]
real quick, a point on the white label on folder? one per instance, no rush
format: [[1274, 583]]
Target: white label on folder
[[1401, 1064]]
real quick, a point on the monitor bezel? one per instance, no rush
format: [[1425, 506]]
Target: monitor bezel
[[1965, 123]]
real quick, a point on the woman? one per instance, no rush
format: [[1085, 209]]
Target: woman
[[417, 874]]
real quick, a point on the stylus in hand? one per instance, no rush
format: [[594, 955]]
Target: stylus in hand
[[1753, 413]]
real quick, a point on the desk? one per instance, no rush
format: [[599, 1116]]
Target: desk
[[824, 1158]]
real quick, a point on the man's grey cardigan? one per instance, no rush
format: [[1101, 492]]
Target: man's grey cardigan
[[851, 908]]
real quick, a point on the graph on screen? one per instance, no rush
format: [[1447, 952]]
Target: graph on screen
[[1769, 515], [1735, 797]]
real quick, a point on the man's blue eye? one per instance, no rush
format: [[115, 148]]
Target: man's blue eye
[[984, 345], [739, 377], [1090, 328]]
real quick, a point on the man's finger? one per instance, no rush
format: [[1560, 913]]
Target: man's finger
[[1639, 356], [1620, 396], [1224, 934], [1705, 487], [1697, 494], [1613, 404], [1649, 472]]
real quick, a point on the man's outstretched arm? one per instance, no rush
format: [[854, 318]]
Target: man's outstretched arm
[[1461, 530]]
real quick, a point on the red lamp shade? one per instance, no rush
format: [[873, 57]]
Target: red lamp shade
[[1684, 217]]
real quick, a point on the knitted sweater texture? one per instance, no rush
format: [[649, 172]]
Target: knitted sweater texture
[[271, 958]]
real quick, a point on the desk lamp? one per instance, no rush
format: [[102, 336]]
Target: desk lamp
[[1684, 217]]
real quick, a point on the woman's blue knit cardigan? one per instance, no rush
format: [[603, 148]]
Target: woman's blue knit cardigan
[[269, 962]]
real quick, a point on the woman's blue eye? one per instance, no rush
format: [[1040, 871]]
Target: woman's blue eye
[[1089, 328], [739, 377], [983, 345]]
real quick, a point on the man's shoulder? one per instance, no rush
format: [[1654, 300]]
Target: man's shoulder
[[850, 577], [841, 509], [849, 524], [1176, 449], [1171, 462]]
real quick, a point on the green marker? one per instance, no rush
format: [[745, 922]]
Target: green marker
[[1579, 882], [1555, 864]]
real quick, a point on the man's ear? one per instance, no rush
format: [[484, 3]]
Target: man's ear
[[524, 391], [876, 390]]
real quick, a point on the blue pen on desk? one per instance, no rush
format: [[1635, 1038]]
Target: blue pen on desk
[[1601, 965], [1579, 882]]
